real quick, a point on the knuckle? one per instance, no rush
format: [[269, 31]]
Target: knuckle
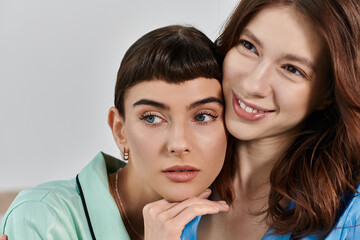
[[163, 217]]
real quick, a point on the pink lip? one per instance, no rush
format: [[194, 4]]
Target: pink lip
[[249, 116], [181, 173]]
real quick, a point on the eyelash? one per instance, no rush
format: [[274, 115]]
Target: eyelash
[[148, 114], [213, 115], [296, 69], [286, 67], [252, 46]]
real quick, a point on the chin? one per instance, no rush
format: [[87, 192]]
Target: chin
[[180, 195], [179, 198]]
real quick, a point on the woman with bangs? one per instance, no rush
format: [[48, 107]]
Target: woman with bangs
[[168, 124], [291, 87]]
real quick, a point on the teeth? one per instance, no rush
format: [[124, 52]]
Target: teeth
[[242, 105], [248, 109]]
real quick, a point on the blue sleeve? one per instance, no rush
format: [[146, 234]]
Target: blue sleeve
[[354, 231], [190, 230]]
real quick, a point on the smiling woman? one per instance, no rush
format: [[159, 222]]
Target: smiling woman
[[275, 75], [168, 124], [291, 80]]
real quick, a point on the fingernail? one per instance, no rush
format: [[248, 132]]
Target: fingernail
[[223, 203]]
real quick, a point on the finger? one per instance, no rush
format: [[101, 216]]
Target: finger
[[178, 208], [193, 211], [155, 208], [3, 237], [205, 194]]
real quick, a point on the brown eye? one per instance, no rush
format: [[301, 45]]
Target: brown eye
[[293, 69], [248, 45]]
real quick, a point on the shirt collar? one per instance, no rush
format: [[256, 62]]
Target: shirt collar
[[104, 214]]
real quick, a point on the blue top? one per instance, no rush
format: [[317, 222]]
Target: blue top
[[190, 230], [346, 228]]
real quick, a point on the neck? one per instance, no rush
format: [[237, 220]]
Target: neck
[[134, 196], [256, 160]]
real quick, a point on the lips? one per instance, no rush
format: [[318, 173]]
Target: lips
[[181, 173], [248, 111]]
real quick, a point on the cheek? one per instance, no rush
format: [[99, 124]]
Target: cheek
[[230, 73], [213, 147], [234, 75], [142, 144], [235, 67], [295, 100]]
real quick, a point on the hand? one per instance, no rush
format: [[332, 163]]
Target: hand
[[165, 220], [3, 237]]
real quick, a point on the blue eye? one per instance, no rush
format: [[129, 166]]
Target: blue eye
[[151, 119], [201, 117], [205, 117]]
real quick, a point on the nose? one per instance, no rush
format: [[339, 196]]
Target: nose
[[178, 141], [257, 81]]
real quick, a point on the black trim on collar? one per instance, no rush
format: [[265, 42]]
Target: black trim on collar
[[85, 208]]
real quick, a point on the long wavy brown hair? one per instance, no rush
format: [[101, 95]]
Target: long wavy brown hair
[[323, 163]]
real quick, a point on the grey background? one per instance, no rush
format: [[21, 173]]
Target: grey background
[[58, 65]]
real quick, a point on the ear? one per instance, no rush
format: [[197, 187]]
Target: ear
[[117, 126]]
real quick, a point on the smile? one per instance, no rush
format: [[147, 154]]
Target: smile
[[181, 173], [248, 111], [247, 108]]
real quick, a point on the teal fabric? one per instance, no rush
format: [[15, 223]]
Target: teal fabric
[[54, 210]]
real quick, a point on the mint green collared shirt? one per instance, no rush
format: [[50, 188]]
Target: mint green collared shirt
[[54, 210]]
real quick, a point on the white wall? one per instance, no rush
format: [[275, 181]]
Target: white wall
[[58, 65]]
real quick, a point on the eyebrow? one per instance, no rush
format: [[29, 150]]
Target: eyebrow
[[191, 106], [299, 59], [205, 101], [249, 34], [151, 103]]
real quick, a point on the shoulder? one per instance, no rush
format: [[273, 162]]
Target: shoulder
[[348, 224], [351, 208], [56, 201], [48, 193]]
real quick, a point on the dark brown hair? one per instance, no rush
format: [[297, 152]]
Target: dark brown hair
[[173, 54], [323, 163]]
